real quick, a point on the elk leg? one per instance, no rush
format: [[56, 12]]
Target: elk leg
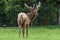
[[27, 31], [23, 31], [19, 27], [19, 31]]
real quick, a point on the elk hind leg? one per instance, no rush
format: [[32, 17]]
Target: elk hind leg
[[27, 31], [19, 27], [19, 31], [23, 31]]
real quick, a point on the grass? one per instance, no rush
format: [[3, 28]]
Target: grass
[[35, 33]]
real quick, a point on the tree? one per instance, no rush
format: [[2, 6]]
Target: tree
[[9, 10]]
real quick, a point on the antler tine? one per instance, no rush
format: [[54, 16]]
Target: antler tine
[[27, 6], [33, 6], [37, 6]]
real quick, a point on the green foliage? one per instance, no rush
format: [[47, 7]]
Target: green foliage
[[10, 8]]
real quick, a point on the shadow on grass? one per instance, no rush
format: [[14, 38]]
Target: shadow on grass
[[52, 26], [46, 26]]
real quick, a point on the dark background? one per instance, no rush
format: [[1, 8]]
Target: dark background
[[48, 12]]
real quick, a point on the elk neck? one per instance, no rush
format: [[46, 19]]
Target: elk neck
[[32, 15]]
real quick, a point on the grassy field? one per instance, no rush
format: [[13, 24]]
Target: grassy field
[[35, 33]]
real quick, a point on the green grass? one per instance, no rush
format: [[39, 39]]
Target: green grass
[[35, 33]]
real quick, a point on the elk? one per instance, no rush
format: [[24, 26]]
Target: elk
[[24, 19]]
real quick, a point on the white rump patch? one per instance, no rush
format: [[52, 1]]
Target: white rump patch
[[22, 14]]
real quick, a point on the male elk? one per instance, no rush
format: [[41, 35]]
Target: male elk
[[24, 19]]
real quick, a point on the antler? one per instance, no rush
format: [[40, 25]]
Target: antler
[[33, 6], [37, 6], [28, 6]]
